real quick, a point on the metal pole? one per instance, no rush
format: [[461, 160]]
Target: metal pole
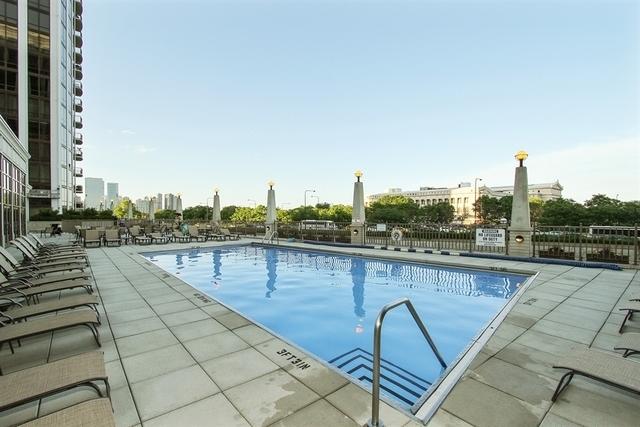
[[580, 243], [635, 245]]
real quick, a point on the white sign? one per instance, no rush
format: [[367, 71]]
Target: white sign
[[490, 237], [381, 227], [396, 235]]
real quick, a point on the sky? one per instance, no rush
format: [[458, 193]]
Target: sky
[[185, 96]]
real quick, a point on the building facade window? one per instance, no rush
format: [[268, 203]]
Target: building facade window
[[13, 200]]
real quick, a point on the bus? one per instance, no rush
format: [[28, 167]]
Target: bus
[[317, 224], [612, 230]]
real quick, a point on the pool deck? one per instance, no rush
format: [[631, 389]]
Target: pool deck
[[176, 357]]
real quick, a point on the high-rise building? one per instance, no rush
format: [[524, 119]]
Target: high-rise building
[[170, 201], [94, 193], [113, 198], [158, 201], [40, 89]]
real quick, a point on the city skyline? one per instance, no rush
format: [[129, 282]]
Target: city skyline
[[413, 93]]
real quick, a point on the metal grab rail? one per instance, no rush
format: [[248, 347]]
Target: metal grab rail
[[375, 420]]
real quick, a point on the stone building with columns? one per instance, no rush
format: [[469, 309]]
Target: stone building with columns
[[463, 196]]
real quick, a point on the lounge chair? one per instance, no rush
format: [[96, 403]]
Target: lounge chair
[[37, 276], [631, 307], [112, 237], [178, 236], [32, 293], [31, 239], [158, 238], [46, 324], [36, 269], [629, 342], [92, 237], [228, 235], [604, 367], [94, 413], [195, 234], [45, 380], [17, 311], [55, 244], [34, 257]]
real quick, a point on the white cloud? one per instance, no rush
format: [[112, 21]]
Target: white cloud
[[127, 132], [611, 168], [141, 149]]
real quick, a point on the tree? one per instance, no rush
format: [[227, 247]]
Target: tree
[[563, 212], [197, 212], [122, 209], [336, 213], [441, 213], [303, 212], [165, 214], [227, 212], [250, 215], [392, 208], [46, 214], [536, 207]]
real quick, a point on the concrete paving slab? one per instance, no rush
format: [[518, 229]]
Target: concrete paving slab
[[180, 318], [356, 403], [212, 346], [270, 398], [165, 393], [204, 413], [253, 334], [137, 327], [201, 328], [239, 367], [144, 342], [156, 362], [320, 414]]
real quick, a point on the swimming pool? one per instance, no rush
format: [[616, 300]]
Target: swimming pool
[[327, 304]]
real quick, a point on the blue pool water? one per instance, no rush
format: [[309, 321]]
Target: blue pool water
[[327, 304]]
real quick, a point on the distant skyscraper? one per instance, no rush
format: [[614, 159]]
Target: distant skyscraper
[[158, 201], [94, 193], [113, 197], [170, 201]]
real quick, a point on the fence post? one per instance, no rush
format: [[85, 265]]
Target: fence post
[[472, 236], [439, 236], [506, 240], [410, 236], [636, 245], [533, 241], [580, 243]]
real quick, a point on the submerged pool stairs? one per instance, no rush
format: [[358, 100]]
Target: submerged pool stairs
[[394, 380]]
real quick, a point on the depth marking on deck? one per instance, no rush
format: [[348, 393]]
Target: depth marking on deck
[[295, 360]]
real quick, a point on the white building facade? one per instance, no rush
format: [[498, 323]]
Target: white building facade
[[463, 197], [113, 196]]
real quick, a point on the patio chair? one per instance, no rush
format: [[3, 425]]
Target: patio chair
[[42, 325], [604, 367], [94, 413], [629, 342], [16, 311], [92, 237], [228, 235], [158, 238], [35, 383], [195, 234], [134, 232], [179, 237], [631, 306], [44, 249], [112, 237], [29, 292]]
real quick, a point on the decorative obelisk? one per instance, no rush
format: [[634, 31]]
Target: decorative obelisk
[[271, 223], [152, 209], [357, 216], [216, 218], [520, 228], [179, 206], [130, 209]]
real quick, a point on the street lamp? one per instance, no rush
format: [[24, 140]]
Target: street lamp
[[254, 202], [358, 174], [305, 196], [521, 156], [475, 200]]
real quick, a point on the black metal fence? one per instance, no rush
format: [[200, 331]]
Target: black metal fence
[[581, 243]]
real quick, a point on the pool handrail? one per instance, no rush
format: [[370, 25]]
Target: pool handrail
[[377, 336]]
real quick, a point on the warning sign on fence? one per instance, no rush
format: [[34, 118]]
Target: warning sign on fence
[[490, 237]]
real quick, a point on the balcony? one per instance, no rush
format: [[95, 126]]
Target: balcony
[[79, 189], [77, 72], [78, 55], [77, 38], [78, 155], [79, 139], [78, 173], [77, 89], [78, 123], [79, 204], [77, 105], [78, 6], [78, 23]]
